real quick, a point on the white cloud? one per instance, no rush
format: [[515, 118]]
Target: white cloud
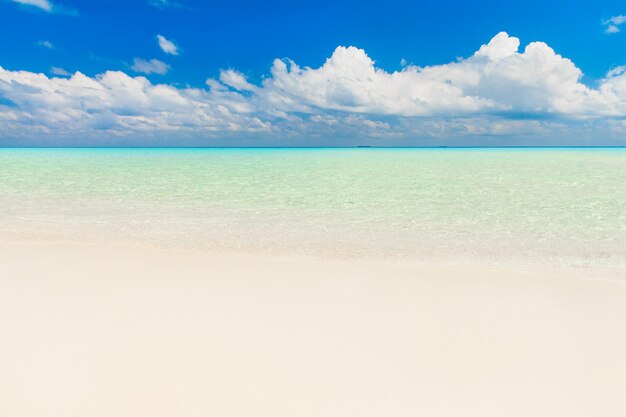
[[162, 4], [616, 71], [152, 66], [500, 90], [616, 20], [496, 79], [612, 24], [46, 44], [40, 4], [59, 71], [167, 46], [235, 79], [47, 6]]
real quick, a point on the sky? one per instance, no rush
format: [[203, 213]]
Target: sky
[[312, 73]]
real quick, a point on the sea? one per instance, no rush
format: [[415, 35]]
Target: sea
[[556, 207]]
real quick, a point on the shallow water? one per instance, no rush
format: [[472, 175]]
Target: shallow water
[[533, 206]]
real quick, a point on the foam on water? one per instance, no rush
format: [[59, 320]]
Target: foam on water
[[539, 206]]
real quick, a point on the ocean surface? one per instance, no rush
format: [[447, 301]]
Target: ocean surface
[[557, 207]]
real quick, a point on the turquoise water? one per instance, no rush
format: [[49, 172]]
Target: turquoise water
[[549, 206]]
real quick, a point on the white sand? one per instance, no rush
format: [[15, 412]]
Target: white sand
[[119, 332]]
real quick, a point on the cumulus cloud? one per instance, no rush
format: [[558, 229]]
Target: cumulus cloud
[[500, 90], [166, 45], [152, 66], [612, 24], [115, 102], [498, 78]]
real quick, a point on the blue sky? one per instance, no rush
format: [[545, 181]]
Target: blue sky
[[235, 43]]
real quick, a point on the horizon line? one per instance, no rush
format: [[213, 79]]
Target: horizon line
[[327, 147]]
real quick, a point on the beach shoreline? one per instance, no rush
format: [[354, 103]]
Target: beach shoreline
[[104, 330]]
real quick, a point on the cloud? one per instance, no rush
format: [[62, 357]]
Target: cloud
[[234, 79], [47, 6], [152, 66], [46, 44], [166, 45], [499, 91], [44, 5], [616, 20], [611, 29], [59, 71], [496, 79], [616, 71], [612, 24], [163, 4]]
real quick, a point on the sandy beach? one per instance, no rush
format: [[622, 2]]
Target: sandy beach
[[92, 330]]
